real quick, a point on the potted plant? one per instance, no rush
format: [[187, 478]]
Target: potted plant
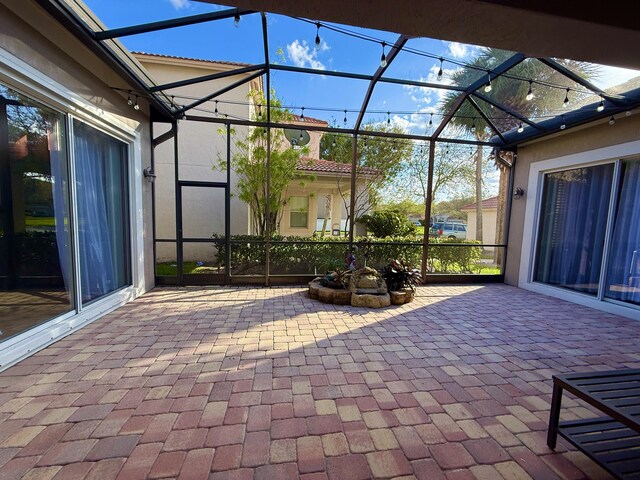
[[401, 281]]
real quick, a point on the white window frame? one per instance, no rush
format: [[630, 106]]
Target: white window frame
[[18, 75], [537, 171], [296, 211]]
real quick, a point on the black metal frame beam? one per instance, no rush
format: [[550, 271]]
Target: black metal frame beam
[[505, 66], [506, 110], [395, 49], [363, 76], [207, 78], [171, 23], [217, 93], [79, 29], [579, 80], [342, 131], [485, 117]]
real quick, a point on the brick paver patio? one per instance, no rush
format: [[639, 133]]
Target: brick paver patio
[[254, 383]]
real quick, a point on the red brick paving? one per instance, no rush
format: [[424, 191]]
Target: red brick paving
[[254, 383]]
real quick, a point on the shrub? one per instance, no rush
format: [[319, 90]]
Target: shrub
[[308, 255], [388, 223]]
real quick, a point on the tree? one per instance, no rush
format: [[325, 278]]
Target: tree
[[250, 164], [452, 172], [512, 93], [379, 160]]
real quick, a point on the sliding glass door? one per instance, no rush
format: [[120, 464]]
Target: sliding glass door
[[103, 212], [623, 268], [589, 234], [64, 214], [36, 269]]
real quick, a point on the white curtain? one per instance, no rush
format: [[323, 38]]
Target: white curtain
[[97, 275], [623, 276]]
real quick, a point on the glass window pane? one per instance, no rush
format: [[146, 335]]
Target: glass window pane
[[298, 208], [36, 275], [573, 221], [623, 270], [103, 211]]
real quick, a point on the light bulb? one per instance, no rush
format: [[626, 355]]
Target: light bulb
[[563, 125], [530, 92], [383, 60], [520, 128], [487, 87], [566, 98], [473, 125], [612, 120], [302, 115], [439, 77], [333, 144], [431, 120], [129, 99], [600, 105], [136, 106], [317, 35], [216, 109], [345, 117], [388, 118], [236, 20], [301, 136]]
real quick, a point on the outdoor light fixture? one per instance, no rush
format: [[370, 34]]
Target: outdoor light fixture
[[520, 128], [236, 20], [600, 105], [317, 35], [135, 105], [388, 118], [530, 92], [333, 144], [487, 87], [383, 58], [612, 120], [216, 109], [431, 120], [259, 111], [563, 125], [518, 193], [129, 99], [473, 125], [302, 115], [565, 102], [345, 117], [149, 175], [439, 77]]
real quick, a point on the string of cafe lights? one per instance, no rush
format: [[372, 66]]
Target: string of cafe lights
[[133, 96]]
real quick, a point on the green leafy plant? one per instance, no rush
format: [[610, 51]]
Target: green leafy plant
[[388, 223], [400, 276], [339, 278]]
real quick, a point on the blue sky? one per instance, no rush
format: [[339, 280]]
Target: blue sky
[[291, 41]]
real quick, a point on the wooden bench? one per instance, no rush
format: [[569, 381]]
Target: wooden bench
[[613, 440]]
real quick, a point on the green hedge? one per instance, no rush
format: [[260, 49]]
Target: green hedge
[[312, 255]]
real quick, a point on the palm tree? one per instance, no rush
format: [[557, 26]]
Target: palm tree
[[510, 90]]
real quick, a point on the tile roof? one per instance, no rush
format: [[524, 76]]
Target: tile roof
[[222, 62], [487, 203], [297, 118], [307, 164]]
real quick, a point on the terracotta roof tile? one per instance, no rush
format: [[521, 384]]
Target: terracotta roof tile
[[222, 62], [487, 203], [297, 118], [307, 164]]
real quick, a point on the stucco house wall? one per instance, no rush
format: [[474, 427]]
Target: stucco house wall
[[42, 60], [587, 145]]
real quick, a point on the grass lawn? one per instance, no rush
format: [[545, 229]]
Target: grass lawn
[[39, 221], [171, 269]]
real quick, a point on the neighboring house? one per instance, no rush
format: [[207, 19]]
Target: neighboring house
[[200, 145], [489, 220]]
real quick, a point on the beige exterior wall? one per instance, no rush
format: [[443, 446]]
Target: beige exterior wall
[[489, 219], [576, 141], [201, 146]]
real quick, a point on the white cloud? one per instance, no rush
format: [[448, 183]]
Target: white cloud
[[302, 55], [180, 4], [458, 50]]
